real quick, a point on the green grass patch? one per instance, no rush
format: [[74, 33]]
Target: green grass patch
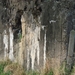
[[3, 64]]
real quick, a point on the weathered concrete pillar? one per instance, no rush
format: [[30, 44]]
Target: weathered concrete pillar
[[22, 44], [5, 42], [71, 49], [11, 55]]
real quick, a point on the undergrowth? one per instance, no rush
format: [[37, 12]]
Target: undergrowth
[[9, 68], [64, 70], [3, 64]]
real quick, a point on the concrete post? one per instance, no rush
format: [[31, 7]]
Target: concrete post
[[71, 49]]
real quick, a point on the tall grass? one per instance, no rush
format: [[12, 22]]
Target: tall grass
[[9, 68], [3, 64], [32, 73]]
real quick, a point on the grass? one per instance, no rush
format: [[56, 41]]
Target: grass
[[32, 73], [65, 70], [73, 70], [9, 68], [3, 64], [15, 69], [7, 73], [49, 73]]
